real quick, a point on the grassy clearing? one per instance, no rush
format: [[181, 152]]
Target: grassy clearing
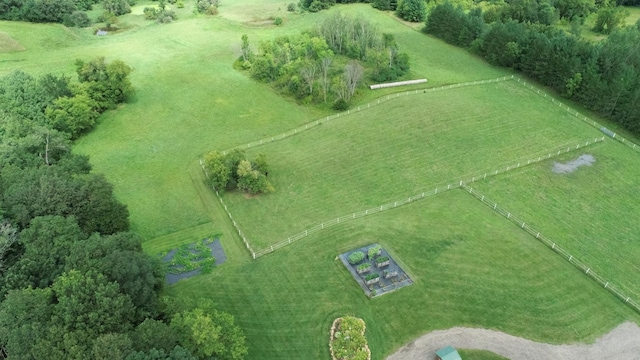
[[399, 149], [590, 213], [470, 266]]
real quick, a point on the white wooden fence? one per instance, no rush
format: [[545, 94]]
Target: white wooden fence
[[555, 247]]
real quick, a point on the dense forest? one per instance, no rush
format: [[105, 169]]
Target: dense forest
[[602, 76], [74, 282]]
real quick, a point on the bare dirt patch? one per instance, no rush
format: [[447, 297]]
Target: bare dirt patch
[[622, 342], [8, 44], [573, 165]]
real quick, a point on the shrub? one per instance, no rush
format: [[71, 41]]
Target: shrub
[[180, 4], [150, 13], [316, 6], [277, 21], [381, 259], [412, 10], [340, 105], [348, 341], [77, 19], [374, 250], [166, 16], [291, 7], [356, 257]]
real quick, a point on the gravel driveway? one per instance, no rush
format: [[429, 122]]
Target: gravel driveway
[[622, 342]]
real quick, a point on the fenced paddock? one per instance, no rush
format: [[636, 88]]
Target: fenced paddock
[[374, 157], [611, 287], [409, 200], [592, 211], [397, 83]]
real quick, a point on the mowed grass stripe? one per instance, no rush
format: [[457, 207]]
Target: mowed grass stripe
[[590, 213], [404, 147], [471, 268]]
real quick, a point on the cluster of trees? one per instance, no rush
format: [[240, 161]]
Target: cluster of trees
[[208, 7], [326, 64], [68, 12], [602, 76], [64, 109], [74, 282], [161, 14], [234, 171]]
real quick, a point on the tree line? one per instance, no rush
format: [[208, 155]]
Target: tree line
[[74, 281], [602, 76], [69, 12], [326, 65]]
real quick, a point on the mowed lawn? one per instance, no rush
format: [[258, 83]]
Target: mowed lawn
[[471, 267], [399, 149], [591, 213]]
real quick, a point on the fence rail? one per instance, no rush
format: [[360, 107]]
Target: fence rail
[[555, 247], [235, 224], [405, 201], [579, 116], [374, 103]]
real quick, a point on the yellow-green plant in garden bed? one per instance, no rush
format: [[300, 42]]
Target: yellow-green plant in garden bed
[[347, 340]]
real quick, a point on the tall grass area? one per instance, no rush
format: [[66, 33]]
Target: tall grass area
[[591, 213], [399, 149], [470, 266]]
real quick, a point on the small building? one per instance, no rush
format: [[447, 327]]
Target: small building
[[448, 353]]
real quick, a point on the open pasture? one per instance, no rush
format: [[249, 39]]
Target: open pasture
[[189, 100], [470, 268], [401, 148], [591, 213]]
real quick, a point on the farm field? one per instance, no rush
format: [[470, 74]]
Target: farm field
[[471, 267], [401, 148], [589, 213]]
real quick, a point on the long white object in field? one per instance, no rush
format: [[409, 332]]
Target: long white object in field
[[398, 83]]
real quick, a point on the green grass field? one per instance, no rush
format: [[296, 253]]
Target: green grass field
[[404, 147], [471, 267], [589, 212]]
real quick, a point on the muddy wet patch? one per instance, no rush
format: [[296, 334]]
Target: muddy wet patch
[[573, 165]]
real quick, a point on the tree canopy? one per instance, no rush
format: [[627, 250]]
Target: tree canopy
[[74, 283]]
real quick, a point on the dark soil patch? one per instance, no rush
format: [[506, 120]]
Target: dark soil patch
[[398, 278], [176, 273]]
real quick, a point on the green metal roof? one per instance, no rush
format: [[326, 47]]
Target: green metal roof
[[448, 353]]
